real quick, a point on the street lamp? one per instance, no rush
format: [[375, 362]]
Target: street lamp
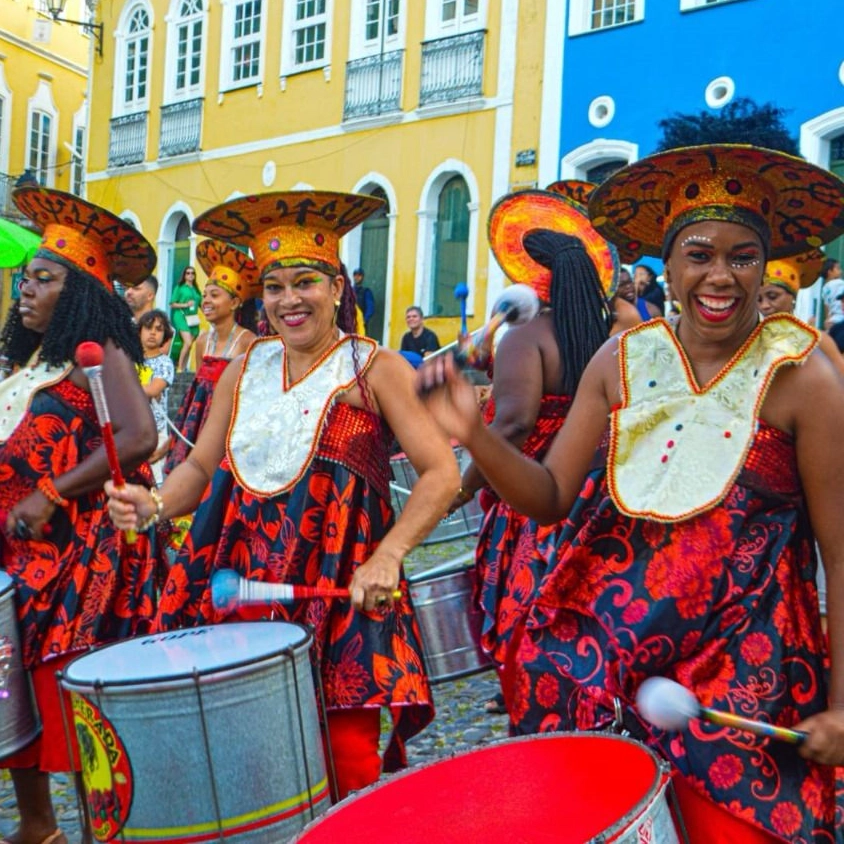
[[56, 7]]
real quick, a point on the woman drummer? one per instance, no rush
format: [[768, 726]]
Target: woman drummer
[[694, 469], [78, 583], [295, 450]]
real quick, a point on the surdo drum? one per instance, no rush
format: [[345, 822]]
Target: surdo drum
[[19, 724], [203, 734], [566, 788]]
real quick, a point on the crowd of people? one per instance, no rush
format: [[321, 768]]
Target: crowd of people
[[653, 463]]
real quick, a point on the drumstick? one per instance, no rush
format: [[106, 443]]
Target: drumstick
[[90, 357], [229, 591], [670, 706]]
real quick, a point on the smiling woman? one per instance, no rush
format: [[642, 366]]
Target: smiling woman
[[694, 470], [78, 583], [301, 425]]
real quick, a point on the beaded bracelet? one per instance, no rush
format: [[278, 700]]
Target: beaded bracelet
[[155, 495], [48, 489]]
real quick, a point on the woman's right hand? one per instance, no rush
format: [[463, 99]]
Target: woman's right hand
[[129, 506], [449, 397]]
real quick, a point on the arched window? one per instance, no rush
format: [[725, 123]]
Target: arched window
[[185, 49], [601, 172], [135, 83], [451, 247], [835, 249]]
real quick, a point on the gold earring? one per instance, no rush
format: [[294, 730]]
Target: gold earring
[[336, 303]]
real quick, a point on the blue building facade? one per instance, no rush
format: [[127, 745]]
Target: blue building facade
[[627, 64]]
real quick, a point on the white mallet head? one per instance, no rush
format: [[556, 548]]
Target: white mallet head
[[519, 302], [666, 704]]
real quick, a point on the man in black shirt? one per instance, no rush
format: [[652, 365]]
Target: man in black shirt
[[419, 339]]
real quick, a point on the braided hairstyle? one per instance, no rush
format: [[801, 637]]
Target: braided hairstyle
[[580, 311], [347, 322], [85, 310]]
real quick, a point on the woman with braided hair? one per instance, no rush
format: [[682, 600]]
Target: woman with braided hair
[[544, 240], [78, 583]]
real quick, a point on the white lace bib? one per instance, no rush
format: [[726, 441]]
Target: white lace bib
[[676, 448], [17, 390]]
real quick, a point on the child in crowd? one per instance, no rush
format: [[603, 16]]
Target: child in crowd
[[156, 333]]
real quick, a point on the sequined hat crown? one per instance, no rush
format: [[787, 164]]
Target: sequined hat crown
[[228, 267], [87, 237], [795, 272], [791, 204], [516, 215], [289, 228]]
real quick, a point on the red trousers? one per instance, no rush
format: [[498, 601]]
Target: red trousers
[[49, 752], [354, 735]]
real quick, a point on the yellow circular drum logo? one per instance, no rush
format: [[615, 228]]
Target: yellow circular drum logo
[[105, 770]]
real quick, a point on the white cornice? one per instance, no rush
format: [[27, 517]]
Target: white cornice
[[5, 35]]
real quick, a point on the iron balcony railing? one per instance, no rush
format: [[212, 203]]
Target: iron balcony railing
[[373, 85], [181, 124], [128, 139], [452, 68], [7, 185]]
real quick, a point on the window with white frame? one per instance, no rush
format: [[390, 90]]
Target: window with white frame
[[134, 85], [382, 20], [307, 39], [376, 27], [77, 160], [185, 49], [686, 5], [594, 15], [41, 135], [40, 143], [454, 17], [243, 40], [5, 123]]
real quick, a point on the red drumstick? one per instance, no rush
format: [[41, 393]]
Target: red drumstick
[[89, 356], [229, 591]]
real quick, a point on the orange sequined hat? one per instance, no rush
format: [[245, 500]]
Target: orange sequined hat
[[227, 267], [289, 228], [795, 272], [516, 215], [87, 237], [791, 204]]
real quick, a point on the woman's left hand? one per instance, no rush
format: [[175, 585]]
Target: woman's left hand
[[29, 516], [825, 741], [374, 583]]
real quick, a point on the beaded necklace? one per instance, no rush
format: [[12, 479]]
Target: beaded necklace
[[212, 342]]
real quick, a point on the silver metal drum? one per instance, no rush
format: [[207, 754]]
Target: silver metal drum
[[449, 620], [204, 734], [19, 722]]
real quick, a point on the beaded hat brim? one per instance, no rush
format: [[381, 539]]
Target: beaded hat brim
[[802, 204], [230, 268], [289, 228], [517, 214], [87, 236]]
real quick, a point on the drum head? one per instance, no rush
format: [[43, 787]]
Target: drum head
[[184, 654], [565, 788]]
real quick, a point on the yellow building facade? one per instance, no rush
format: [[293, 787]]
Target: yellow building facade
[[43, 97], [426, 103]]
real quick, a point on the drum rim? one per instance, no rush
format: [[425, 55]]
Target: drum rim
[[459, 565], [644, 802], [221, 671]]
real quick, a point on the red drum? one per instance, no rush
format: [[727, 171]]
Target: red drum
[[566, 788]]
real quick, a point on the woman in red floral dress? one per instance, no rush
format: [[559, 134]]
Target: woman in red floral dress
[[694, 470], [295, 450], [78, 582]]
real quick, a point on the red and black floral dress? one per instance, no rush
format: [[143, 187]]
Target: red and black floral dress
[[310, 522], [512, 549], [719, 596], [81, 585]]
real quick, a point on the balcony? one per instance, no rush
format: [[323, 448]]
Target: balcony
[[373, 85], [128, 139], [181, 124], [7, 185], [452, 68]]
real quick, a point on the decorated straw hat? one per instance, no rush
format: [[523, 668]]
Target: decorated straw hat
[[796, 272], [791, 204], [574, 189], [516, 215], [228, 267], [86, 237], [289, 228]]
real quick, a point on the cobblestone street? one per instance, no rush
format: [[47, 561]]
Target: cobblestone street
[[461, 723]]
